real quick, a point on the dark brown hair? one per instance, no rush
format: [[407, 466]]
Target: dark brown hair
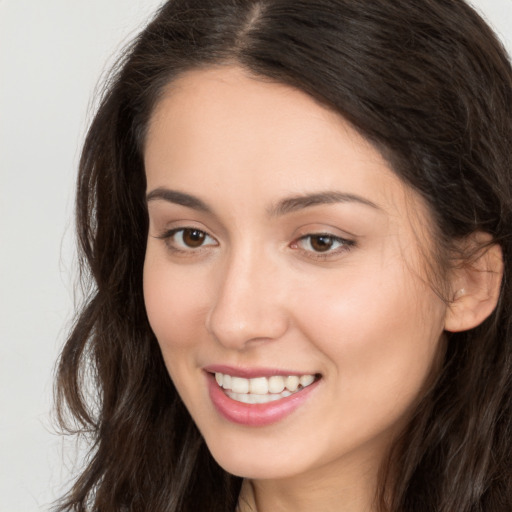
[[429, 84]]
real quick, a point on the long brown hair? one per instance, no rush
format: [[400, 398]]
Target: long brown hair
[[430, 85]]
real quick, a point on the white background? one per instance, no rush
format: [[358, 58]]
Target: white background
[[52, 53]]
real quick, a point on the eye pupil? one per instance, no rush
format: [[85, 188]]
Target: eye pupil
[[193, 237], [321, 243]]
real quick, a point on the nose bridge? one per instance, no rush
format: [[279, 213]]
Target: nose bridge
[[247, 305]]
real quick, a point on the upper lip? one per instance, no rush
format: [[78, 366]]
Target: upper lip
[[250, 373]]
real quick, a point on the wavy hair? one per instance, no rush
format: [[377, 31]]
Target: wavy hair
[[429, 84]]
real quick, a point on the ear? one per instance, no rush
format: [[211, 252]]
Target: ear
[[475, 284]]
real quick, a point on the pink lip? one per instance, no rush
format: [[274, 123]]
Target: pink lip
[[249, 373], [255, 415]]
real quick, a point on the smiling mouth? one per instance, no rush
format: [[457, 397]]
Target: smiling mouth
[[262, 390]]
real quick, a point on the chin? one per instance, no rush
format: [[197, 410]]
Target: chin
[[256, 461], [254, 469]]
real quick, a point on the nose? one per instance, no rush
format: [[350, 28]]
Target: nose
[[249, 303]]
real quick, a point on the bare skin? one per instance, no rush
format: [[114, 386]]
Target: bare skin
[[241, 270]]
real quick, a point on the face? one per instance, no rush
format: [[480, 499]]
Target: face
[[283, 277]]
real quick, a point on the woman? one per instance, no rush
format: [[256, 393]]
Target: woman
[[297, 220]]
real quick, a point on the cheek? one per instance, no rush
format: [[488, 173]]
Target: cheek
[[380, 332], [174, 308], [174, 303]]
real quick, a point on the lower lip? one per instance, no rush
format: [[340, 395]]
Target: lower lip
[[256, 415]]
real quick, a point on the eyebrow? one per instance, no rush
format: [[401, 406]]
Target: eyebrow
[[283, 207], [300, 202], [173, 196]]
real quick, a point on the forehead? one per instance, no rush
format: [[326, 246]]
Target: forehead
[[238, 137]]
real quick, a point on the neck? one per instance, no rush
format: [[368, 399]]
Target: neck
[[356, 493]]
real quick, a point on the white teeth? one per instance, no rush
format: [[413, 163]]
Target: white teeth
[[306, 380], [262, 389], [249, 398], [226, 381], [239, 385], [276, 384], [292, 382], [258, 386]]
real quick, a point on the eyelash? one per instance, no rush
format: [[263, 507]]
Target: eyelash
[[344, 244], [170, 240]]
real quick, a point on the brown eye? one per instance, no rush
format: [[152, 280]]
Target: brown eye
[[193, 237], [321, 243], [187, 239]]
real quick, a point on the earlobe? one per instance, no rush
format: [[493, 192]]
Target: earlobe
[[475, 285]]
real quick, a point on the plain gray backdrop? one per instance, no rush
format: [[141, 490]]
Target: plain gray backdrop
[[52, 54]]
